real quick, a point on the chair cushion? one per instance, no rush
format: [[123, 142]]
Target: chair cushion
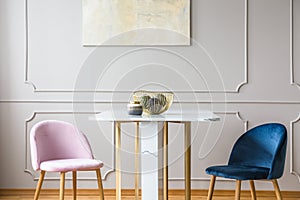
[[65, 165], [238, 172]]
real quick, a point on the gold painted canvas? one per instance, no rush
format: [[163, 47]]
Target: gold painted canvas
[[136, 22]]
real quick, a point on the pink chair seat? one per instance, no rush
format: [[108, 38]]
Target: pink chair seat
[[65, 165]]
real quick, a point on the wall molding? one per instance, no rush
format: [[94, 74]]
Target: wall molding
[[30, 171], [292, 142], [292, 64], [125, 102], [294, 83], [39, 90], [246, 40]]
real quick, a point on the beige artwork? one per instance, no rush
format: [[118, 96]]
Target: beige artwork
[[136, 22]]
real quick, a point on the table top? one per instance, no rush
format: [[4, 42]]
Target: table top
[[169, 116]]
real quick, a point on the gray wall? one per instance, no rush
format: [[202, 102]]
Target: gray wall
[[243, 64]]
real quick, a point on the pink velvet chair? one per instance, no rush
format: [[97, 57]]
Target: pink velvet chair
[[58, 146]]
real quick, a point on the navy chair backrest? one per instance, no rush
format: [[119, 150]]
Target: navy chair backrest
[[262, 146]]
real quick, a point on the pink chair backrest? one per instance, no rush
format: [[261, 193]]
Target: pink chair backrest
[[53, 140]]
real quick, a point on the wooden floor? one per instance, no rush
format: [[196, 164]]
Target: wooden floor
[[46, 194]]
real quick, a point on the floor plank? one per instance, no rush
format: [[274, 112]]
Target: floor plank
[[129, 195]]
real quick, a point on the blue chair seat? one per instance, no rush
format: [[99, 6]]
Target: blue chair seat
[[238, 172]]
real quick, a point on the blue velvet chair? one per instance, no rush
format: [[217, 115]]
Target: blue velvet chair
[[259, 154]]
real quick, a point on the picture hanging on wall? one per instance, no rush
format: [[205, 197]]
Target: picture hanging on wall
[[136, 22]]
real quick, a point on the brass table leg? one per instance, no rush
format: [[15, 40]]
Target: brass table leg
[[117, 130], [165, 161], [187, 159], [137, 151]]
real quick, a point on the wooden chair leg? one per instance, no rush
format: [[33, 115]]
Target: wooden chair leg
[[74, 177], [62, 186], [252, 187], [238, 189], [100, 186], [277, 190], [211, 187], [39, 185]]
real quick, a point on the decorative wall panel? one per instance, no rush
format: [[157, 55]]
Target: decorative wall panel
[[293, 138], [221, 28], [210, 74], [58, 55], [295, 42]]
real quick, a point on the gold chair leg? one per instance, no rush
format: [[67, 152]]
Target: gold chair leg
[[211, 187], [277, 190], [238, 189], [74, 174], [62, 186], [252, 187], [39, 185], [100, 186]]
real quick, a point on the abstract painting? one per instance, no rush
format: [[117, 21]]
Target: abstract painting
[[136, 22]]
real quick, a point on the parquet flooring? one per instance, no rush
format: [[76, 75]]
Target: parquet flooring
[[128, 195]]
